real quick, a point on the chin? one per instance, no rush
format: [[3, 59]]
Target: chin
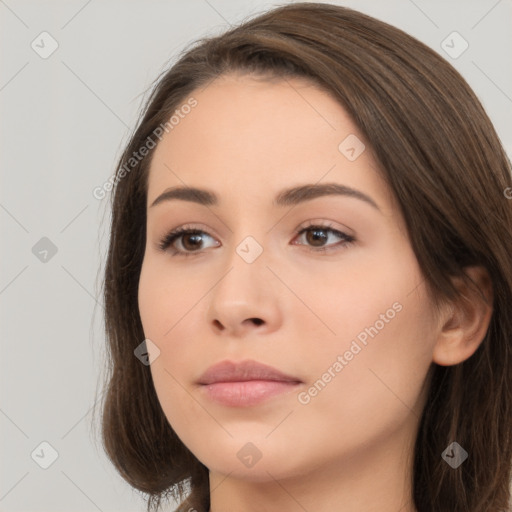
[[256, 461]]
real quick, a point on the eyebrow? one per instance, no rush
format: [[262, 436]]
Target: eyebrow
[[287, 197]]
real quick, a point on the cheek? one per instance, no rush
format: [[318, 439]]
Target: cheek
[[163, 301], [375, 364], [165, 315], [378, 301], [366, 383]]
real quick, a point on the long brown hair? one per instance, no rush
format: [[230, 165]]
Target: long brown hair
[[444, 162]]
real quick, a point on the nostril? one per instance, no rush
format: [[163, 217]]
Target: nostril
[[257, 321]]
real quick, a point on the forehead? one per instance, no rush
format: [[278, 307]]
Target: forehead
[[248, 133]]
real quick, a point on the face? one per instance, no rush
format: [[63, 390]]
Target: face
[[324, 288]]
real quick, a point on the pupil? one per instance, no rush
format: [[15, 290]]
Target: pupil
[[195, 244], [316, 237]]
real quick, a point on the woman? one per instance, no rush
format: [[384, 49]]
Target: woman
[[308, 283]]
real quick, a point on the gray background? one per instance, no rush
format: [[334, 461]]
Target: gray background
[[64, 120]]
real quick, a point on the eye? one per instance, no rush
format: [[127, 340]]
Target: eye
[[317, 235], [191, 239]]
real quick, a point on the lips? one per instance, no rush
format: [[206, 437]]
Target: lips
[[228, 371], [245, 384]]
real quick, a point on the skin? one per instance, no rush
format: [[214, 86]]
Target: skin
[[352, 443]]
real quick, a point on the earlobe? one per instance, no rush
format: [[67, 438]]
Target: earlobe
[[464, 325]]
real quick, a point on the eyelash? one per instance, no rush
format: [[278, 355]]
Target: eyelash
[[167, 241]]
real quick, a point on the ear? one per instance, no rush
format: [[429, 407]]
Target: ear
[[464, 323]]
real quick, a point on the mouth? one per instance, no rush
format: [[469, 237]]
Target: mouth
[[245, 383]]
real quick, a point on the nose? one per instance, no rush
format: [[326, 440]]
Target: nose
[[245, 300]]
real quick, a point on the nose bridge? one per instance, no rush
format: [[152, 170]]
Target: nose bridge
[[246, 269], [250, 238], [245, 291]]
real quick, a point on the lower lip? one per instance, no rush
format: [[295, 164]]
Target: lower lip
[[247, 393]]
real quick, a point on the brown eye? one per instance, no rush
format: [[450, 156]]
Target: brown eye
[[190, 240], [316, 237]]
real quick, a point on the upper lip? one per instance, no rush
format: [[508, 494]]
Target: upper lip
[[229, 371]]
